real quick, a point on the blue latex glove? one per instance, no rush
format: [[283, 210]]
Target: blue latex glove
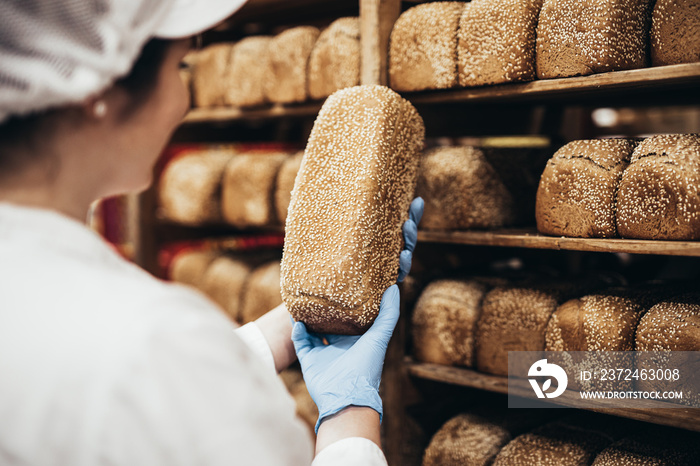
[[347, 371]]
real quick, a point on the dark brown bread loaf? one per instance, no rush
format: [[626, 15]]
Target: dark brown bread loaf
[[423, 47], [497, 41], [659, 196], [289, 58], [466, 440], [248, 189], [189, 190], [577, 37], [577, 191], [350, 200], [444, 321], [285, 183], [262, 292], [656, 447], [554, 444], [675, 32], [250, 67], [461, 190], [210, 68], [335, 59]]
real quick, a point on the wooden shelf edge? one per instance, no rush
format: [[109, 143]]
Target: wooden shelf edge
[[231, 114], [655, 78], [673, 416], [529, 238]]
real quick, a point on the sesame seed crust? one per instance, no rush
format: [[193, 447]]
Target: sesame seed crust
[[423, 47], [462, 190], [584, 37], [659, 195], [248, 70], [577, 191], [350, 199], [675, 32], [655, 447], [289, 58], [497, 41], [335, 59]]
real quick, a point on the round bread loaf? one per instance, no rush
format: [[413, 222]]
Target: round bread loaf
[[285, 183], [423, 47], [671, 325], [349, 204], [576, 195], [335, 59], [675, 32], [188, 267], [248, 189], [654, 448], [261, 292], [466, 440], [210, 69], [659, 196], [249, 69], [289, 58], [461, 190], [444, 322], [584, 37], [554, 444], [189, 189], [224, 281], [497, 41]]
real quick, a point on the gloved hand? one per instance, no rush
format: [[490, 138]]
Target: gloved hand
[[347, 371]]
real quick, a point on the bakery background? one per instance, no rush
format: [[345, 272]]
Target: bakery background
[[497, 106]]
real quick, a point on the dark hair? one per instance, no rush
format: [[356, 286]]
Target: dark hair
[[25, 131]]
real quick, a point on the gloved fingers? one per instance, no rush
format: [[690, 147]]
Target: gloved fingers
[[410, 234], [383, 327], [405, 259], [415, 212], [303, 341]]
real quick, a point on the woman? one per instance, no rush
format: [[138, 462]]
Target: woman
[[100, 363]]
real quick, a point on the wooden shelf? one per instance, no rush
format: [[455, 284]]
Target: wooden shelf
[[685, 418], [529, 238], [663, 78], [232, 114]]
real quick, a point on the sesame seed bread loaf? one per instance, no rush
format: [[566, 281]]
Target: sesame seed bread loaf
[[209, 74], [655, 447], [461, 190], [335, 59], [249, 69], [497, 41], [659, 196], [289, 57], [675, 32], [189, 266], [350, 200], [444, 321], [466, 440], [262, 292], [285, 183], [577, 37], [248, 189], [576, 195], [423, 47], [224, 282], [554, 444], [671, 325], [189, 189]]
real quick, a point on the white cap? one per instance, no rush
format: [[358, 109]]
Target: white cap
[[59, 52]]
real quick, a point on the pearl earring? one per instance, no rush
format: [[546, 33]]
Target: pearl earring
[[99, 109]]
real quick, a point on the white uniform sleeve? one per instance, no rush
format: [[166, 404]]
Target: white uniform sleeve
[[194, 393], [353, 451], [252, 336]]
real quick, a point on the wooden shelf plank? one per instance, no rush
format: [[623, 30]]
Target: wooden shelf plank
[[529, 238], [231, 114], [685, 418], [646, 79]]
